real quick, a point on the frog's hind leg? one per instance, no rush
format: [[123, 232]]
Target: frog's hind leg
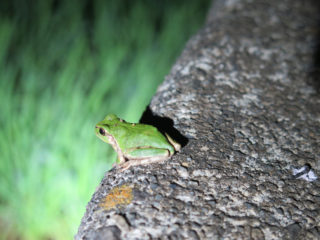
[[144, 156], [126, 165], [175, 144]]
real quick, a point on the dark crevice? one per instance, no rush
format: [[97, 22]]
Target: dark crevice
[[164, 125], [315, 68]]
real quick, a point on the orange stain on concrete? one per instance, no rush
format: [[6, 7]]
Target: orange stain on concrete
[[118, 196]]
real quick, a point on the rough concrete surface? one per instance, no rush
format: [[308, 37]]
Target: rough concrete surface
[[245, 95]]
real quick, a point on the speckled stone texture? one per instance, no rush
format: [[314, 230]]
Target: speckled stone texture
[[245, 94]]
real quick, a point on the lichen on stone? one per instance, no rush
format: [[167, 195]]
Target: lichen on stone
[[117, 197]]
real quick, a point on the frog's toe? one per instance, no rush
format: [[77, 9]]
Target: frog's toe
[[124, 166]]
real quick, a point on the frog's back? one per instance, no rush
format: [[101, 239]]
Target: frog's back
[[142, 135]]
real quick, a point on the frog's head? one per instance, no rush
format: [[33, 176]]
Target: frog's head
[[103, 128], [102, 131], [111, 118]]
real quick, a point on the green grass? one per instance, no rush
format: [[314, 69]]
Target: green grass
[[65, 65]]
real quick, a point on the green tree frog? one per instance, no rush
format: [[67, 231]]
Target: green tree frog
[[135, 143]]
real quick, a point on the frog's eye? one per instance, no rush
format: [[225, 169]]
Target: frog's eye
[[102, 131]]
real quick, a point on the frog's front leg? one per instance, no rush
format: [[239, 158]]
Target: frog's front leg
[[121, 160], [144, 156]]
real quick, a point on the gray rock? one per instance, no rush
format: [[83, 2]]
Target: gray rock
[[110, 233], [245, 94]]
